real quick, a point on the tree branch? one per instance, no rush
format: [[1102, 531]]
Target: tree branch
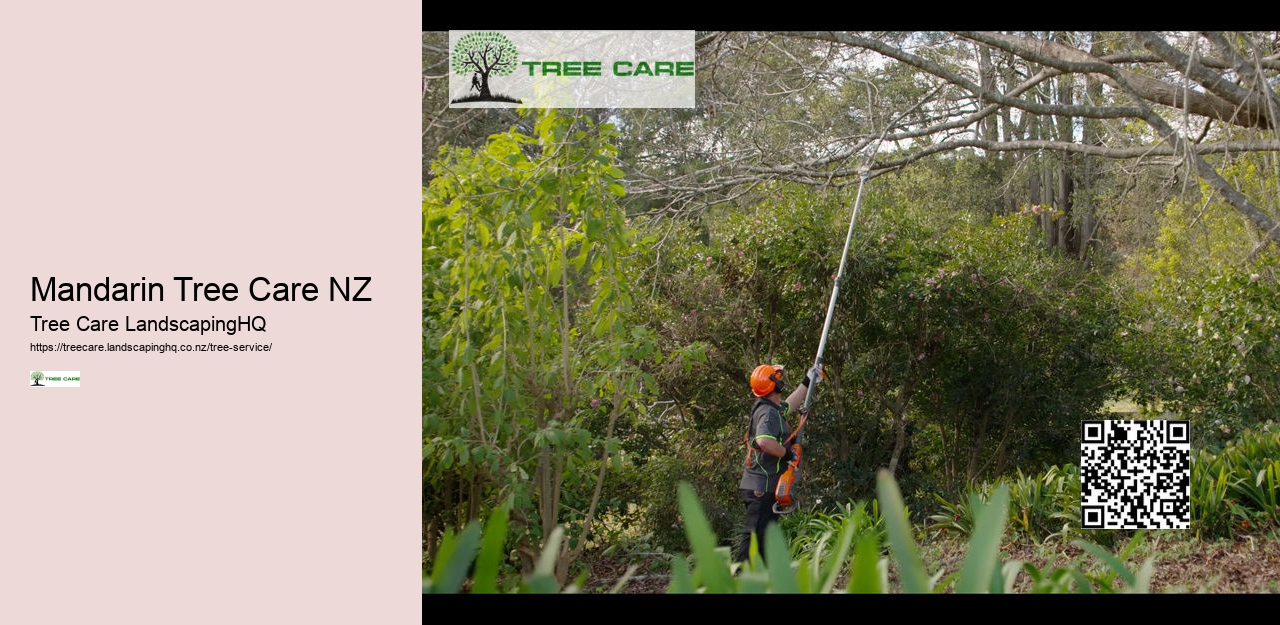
[[1247, 102], [1144, 88]]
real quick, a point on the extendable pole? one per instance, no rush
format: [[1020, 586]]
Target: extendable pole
[[792, 474], [835, 291]]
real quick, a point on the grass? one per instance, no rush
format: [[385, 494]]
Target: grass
[[496, 97]]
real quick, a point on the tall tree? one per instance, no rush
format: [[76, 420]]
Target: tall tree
[[813, 107], [524, 335]]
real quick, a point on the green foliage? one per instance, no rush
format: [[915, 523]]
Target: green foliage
[[816, 570], [481, 51], [905, 552], [713, 475], [1043, 506], [981, 572], [528, 357], [991, 348], [1199, 234], [1139, 581], [467, 550], [960, 181], [1007, 352], [1238, 490], [814, 530], [1041, 502], [454, 556], [1205, 349], [1201, 332], [1233, 492], [558, 334]]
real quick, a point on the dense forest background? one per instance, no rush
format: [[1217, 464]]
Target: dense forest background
[[1054, 226]]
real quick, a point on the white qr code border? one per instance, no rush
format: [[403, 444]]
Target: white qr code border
[[1110, 453]]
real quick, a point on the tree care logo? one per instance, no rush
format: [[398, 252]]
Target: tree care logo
[[482, 55], [571, 69], [54, 379]]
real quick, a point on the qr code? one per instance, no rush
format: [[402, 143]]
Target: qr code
[[1135, 474]]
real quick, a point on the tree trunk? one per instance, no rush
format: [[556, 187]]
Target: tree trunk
[[1046, 219], [473, 507], [947, 466], [975, 451], [988, 126], [1092, 135], [449, 498], [1065, 229], [899, 442], [899, 409], [429, 543]]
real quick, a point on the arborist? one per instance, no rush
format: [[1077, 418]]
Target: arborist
[[769, 453], [772, 466]]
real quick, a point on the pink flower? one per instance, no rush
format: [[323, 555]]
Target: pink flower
[[796, 287], [595, 403], [920, 357]]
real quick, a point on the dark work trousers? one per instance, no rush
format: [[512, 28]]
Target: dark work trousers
[[759, 515]]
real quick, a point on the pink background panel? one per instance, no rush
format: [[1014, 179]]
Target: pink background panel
[[224, 142]]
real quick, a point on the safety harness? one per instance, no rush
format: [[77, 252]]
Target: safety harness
[[785, 502]]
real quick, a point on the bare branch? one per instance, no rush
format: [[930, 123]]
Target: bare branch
[[941, 72], [1146, 88], [1248, 103]]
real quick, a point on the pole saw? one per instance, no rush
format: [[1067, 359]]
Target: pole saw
[[785, 500]]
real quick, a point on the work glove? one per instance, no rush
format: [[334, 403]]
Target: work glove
[[790, 455], [814, 376]]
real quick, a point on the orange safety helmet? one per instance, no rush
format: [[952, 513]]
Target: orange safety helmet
[[765, 379]]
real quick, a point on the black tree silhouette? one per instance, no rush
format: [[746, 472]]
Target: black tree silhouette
[[483, 54]]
